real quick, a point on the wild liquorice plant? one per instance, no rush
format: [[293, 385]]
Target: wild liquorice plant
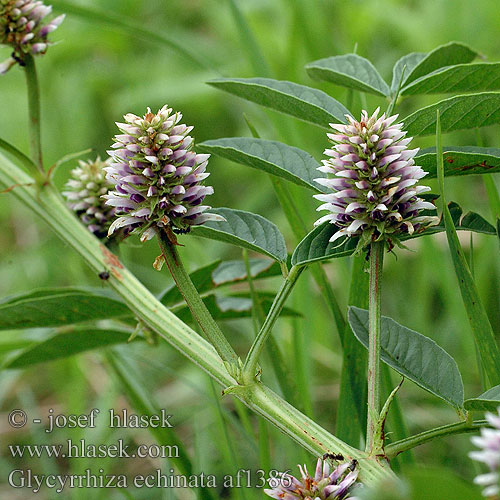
[[153, 185]]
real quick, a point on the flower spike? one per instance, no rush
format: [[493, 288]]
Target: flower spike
[[374, 180], [489, 444], [158, 178], [84, 191], [326, 484]]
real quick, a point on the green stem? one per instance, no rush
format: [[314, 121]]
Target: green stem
[[51, 208], [250, 365], [34, 111], [256, 309], [446, 430], [195, 302], [280, 368], [394, 99], [376, 263]]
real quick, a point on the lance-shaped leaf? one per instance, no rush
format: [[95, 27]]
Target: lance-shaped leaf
[[232, 271], [460, 160], [488, 401], [272, 157], [63, 345], [231, 307], [351, 71], [316, 247], [58, 307], [475, 77], [217, 274], [202, 280], [419, 64], [414, 356], [245, 230], [408, 62], [460, 112], [307, 104]]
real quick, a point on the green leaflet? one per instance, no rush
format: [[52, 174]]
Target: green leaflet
[[414, 356], [216, 274], [232, 271], [408, 62], [58, 307], [351, 71], [475, 77], [202, 280], [225, 307], [460, 112], [305, 103], [461, 160], [419, 64], [315, 246], [272, 157], [245, 230], [488, 401], [63, 345]]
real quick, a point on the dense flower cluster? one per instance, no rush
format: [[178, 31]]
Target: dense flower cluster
[[158, 178], [489, 442], [22, 27], [84, 192], [326, 484], [374, 180]]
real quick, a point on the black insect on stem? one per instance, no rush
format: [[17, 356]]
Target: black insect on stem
[[353, 464], [333, 456], [104, 275]]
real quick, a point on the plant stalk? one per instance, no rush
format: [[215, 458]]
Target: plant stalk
[[374, 303], [195, 302], [250, 365], [34, 111], [49, 205], [446, 430]]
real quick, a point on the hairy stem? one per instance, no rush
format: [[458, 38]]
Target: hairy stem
[[34, 111], [195, 302], [446, 430], [250, 366], [376, 263]]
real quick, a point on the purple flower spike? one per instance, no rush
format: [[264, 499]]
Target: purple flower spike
[[157, 177], [489, 444], [374, 184], [324, 485], [23, 27], [84, 191]]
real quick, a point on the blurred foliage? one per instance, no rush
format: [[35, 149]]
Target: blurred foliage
[[95, 74]]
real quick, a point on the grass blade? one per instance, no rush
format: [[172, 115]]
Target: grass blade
[[478, 319]]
